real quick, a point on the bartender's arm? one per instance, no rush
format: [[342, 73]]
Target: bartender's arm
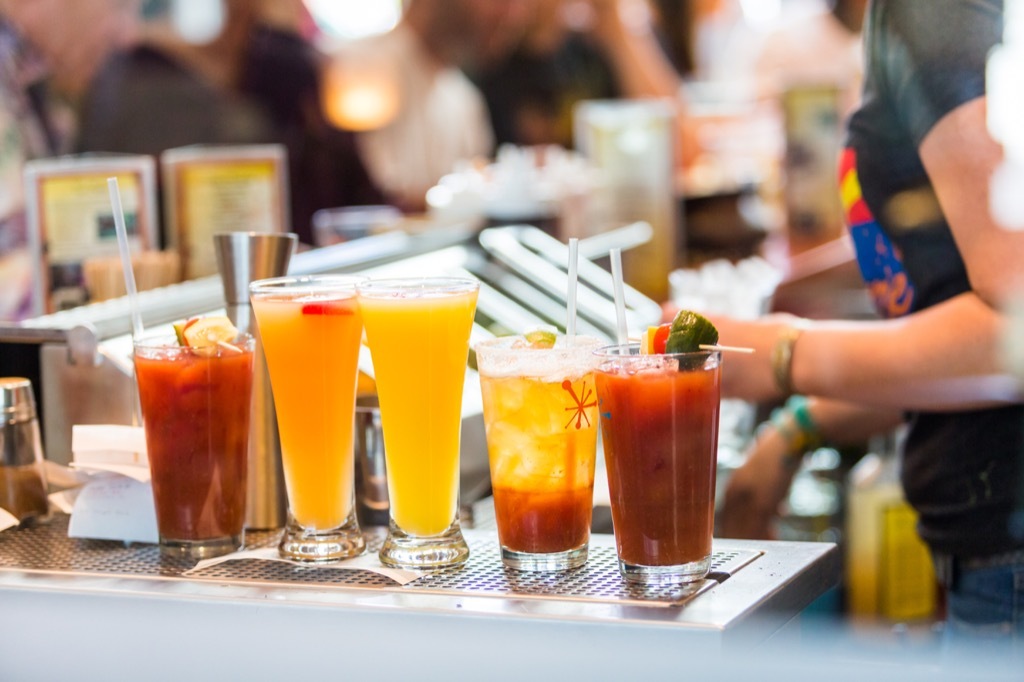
[[757, 488], [948, 356]]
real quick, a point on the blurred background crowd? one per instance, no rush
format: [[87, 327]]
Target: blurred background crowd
[[474, 110], [376, 102]]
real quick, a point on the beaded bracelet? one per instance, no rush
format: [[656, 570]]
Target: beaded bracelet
[[796, 426]]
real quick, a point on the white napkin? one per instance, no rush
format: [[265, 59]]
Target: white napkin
[[110, 447], [364, 562], [7, 519], [113, 507]]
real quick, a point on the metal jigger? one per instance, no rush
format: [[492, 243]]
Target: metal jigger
[[243, 257]]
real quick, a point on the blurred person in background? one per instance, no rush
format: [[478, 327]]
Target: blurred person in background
[[404, 92], [822, 48], [915, 180], [723, 43], [49, 52], [255, 80], [574, 50]]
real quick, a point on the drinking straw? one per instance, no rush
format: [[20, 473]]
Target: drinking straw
[[570, 299], [126, 258], [620, 297]]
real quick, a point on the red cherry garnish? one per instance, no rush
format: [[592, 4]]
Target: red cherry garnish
[[326, 308]]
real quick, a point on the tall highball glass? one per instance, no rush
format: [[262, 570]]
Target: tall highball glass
[[311, 328], [418, 331]]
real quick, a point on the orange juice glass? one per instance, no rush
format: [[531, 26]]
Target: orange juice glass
[[418, 332], [310, 328]]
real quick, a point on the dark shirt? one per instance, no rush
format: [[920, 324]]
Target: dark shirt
[[145, 102], [531, 96], [925, 59]]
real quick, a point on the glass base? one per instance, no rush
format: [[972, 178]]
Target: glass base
[[665, 575], [551, 561], [320, 546], [197, 550], [401, 550]]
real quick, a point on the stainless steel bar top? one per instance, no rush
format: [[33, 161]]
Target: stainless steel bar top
[[101, 601]]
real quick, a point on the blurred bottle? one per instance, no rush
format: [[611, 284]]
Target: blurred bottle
[[889, 572], [22, 476], [633, 144], [813, 139]]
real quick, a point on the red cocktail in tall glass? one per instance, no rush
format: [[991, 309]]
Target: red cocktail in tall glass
[[659, 421], [195, 407]]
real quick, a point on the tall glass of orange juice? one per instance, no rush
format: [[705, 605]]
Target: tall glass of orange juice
[[418, 332], [310, 328]]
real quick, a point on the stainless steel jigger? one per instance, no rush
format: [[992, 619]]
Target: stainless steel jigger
[[22, 476], [242, 258]]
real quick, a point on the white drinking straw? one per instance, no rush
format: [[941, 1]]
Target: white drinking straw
[[570, 299], [620, 298], [126, 258]]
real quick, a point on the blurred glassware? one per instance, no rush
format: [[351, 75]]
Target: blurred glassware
[[104, 277], [337, 225], [22, 476]]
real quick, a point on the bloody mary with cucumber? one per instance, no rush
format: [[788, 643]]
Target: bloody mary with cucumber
[[659, 420]]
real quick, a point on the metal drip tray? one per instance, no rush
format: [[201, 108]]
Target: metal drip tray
[[47, 549]]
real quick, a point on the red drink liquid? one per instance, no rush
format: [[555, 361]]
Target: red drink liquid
[[660, 429], [540, 412], [196, 412], [543, 522]]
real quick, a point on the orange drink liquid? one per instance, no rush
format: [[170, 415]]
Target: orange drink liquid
[[418, 333], [540, 413], [310, 328]]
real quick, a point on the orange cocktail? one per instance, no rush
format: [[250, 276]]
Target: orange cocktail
[[310, 328], [540, 412], [418, 333]]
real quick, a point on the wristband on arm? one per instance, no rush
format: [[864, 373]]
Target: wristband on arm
[[797, 427]]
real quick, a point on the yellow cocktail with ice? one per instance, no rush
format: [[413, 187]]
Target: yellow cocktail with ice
[[418, 334], [310, 329], [540, 411]]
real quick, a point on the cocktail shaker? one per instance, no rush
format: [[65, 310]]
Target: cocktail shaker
[[22, 476], [242, 258], [371, 477]]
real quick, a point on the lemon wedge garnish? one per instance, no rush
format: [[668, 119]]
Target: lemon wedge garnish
[[207, 333]]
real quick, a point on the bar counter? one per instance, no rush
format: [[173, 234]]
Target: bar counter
[[81, 609]]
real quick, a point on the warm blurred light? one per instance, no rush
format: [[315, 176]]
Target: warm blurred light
[[355, 18], [761, 12], [360, 96]]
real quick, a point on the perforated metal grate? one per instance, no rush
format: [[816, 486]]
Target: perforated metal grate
[[47, 548]]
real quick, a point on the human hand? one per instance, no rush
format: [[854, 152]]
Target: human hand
[[755, 490]]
